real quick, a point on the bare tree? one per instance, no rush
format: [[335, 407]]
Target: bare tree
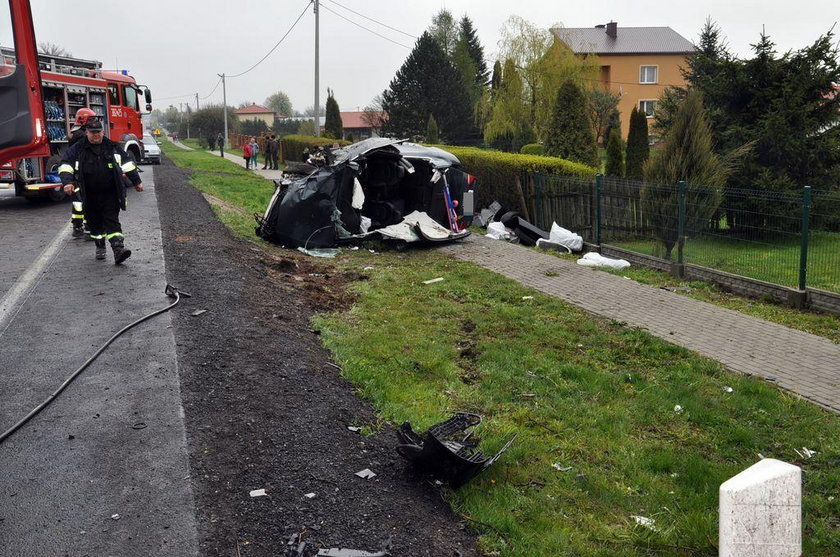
[[46, 47], [373, 115]]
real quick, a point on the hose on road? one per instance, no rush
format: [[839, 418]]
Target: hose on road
[[170, 291]]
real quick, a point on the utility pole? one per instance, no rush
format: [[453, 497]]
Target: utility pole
[[224, 105], [197, 108], [317, 116]]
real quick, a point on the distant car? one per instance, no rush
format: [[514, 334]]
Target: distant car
[[151, 150]]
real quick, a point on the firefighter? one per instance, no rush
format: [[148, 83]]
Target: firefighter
[[93, 167], [77, 132]]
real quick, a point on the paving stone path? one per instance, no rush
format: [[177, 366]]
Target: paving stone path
[[797, 361]]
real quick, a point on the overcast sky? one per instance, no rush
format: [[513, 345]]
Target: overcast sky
[[177, 47]]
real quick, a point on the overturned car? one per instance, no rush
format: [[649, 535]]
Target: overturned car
[[379, 186]]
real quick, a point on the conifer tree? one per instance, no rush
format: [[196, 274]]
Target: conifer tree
[[570, 134], [615, 155], [638, 149], [686, 155], [428, 83], [467, 34], [333, 126], [432, 130], [496, 80]]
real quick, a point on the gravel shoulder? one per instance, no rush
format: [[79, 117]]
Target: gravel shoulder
[[265, 409]]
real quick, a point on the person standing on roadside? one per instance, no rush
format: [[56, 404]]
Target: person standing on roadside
[[246, 154], [220, 141], [94, 168], [275, 156], [255, 149]]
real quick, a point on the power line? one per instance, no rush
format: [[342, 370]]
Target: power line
[[278, 42], [373, 20], [365, 28], [213, 91], [192, 94]]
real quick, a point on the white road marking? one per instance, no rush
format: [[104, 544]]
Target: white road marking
[[13, 300]]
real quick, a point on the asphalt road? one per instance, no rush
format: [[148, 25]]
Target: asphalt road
[[104, 469]]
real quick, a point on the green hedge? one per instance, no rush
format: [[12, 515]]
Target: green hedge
[[292, 146], [497, 172], [532, 149]]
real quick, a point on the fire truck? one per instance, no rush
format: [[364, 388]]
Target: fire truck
[[66, 85]]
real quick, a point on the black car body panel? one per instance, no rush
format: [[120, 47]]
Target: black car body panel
[[396, 178]]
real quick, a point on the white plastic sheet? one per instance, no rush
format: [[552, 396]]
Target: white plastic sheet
[[593, 259], [565, 237], [497, 231]]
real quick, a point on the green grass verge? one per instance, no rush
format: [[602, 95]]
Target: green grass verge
[[229, 182], [776, 262], [580, 392]]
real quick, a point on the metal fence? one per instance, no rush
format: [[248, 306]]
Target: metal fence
[[786, 238]]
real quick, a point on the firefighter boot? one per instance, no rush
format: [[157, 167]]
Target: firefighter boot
[[100, 248], [78, 229], [120, 253]]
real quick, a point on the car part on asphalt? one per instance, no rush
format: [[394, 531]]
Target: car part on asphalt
[[493, 213], [170, 291], [446, 451]]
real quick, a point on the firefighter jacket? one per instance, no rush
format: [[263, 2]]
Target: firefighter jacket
[[73, 161]]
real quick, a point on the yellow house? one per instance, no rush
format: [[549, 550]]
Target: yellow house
[[637, 63], [257, 112]]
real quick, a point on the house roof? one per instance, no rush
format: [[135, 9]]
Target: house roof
[[353, 119], [628, 40], [253, 109]]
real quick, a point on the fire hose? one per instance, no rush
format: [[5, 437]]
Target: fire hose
[[170, 291]]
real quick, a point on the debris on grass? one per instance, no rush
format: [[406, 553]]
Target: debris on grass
[[593, 259], [644, 521], [559, 468], [678, 409], [806, 453], [434, 280], [527, 297], [727, 389], [323, 252], [445, 451]]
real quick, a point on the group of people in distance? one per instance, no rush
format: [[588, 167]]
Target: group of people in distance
[[270, 148]]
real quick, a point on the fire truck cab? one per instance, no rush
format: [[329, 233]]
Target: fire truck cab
[[68, 84]]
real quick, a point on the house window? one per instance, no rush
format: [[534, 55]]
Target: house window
[[648, 74], [647, 107]]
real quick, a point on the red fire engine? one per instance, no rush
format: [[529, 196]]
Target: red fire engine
[[68, 84]]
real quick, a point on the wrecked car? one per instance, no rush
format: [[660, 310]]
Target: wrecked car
[[375, 186]]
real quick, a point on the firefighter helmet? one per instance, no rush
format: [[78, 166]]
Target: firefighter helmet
[[82, 116]]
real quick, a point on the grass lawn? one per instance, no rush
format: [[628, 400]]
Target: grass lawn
[[583, 393], [771, 261]]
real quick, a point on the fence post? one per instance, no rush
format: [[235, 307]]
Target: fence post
[[599, 179], [678, 268], [801, 296], [539, 209]]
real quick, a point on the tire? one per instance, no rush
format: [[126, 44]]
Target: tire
[[51, 167]]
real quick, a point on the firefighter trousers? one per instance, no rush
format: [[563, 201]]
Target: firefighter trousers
[[102, 210]]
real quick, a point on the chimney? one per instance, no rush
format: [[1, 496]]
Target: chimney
[[612, 29]]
